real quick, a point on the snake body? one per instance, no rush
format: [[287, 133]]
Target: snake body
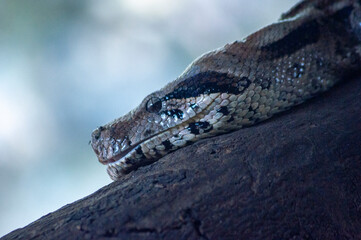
[[313, 46]]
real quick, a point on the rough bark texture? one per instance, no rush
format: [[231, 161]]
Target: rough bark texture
[[296, 176]]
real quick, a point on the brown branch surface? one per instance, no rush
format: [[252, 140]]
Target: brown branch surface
[[296, 176]]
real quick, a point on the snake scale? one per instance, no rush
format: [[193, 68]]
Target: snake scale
[[314, 45]]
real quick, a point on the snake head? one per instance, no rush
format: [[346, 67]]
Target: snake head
[[120, 143], [183, 111]]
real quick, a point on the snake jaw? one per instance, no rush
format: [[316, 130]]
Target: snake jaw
[[123, 154], [108, 148]]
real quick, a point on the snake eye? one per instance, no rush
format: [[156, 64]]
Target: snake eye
[[154, 105]]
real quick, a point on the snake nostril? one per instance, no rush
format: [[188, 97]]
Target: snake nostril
[[97, 132]]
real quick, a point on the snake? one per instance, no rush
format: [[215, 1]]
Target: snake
[[313, 46]]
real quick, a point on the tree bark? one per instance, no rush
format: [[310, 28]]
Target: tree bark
[[295, 176]]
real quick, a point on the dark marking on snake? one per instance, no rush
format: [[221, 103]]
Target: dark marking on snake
[[197, 126], [306, 34], [207, 83], [139, 150], [343, 15], [223, 110], [175, 113], [194, 106], [167, 145]]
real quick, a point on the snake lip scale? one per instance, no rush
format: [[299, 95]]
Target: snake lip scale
[[121, 154], [131, 149], [315, 45]]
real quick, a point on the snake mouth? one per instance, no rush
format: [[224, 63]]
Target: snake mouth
[[122, 154], [117, 157], [130, 149], [155, 146]]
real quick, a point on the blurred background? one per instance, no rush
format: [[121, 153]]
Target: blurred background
[[69, 66]]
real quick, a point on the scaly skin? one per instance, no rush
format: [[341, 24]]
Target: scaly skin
[[314, 46]]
